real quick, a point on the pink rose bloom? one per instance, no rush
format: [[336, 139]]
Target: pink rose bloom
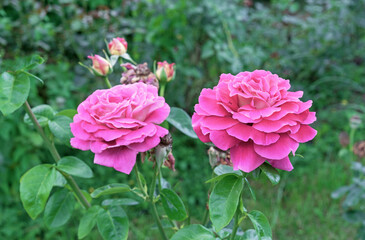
[[255, 116], [118, 46], [101, 66], [119, 122]]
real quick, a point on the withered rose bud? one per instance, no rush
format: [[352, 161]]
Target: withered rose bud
[[170, 161], [218, 157], [359, 149], [344, 139], [166, 140], [355, 121], [139, 73]]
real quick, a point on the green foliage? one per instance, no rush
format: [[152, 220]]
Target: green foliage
[[261, 224], [173, 205], [271, 173], [60, 127], [193, 232], [59, 208], [35, 187], [14, 90], [110, 189], [88, 221], [182, 121], [113, 224], [75, 167], [224, 200]]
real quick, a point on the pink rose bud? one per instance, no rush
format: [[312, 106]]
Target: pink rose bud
[[118, 46], [100, 65], [165, 72]]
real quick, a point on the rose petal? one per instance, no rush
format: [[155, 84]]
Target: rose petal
[[208, 101], [245, 158], [222, 140], [121, 159], [283, 164], [217, 123]]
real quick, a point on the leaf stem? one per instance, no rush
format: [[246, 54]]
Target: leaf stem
[[153, 205], [56, 156]]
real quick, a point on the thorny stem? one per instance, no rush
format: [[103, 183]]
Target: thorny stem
[[56, 156]]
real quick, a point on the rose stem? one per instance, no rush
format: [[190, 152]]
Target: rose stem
[[153, 206], [206, 212], [107, 82], [236, 224], [56, 156], [162, 89], [139, 180]]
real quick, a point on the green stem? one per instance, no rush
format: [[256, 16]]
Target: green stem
[[162, 89], [153, 205], [56, 156], [236, 224], [139, 180], [107, 82]]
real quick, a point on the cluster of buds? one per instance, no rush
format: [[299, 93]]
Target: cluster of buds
[[139, 73], [218, 157]]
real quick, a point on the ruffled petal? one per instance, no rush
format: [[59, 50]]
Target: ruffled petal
[[245, 132], [279, 149], [222, 140], [305, 134]]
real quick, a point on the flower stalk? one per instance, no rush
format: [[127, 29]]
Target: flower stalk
[[107, 82], [56, 156], [153, 205]]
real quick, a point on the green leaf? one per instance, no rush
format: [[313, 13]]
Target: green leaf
[[75, 167], [261, 224], [60, 128], [60, 180], [110, 189], [43, 113], [119, 201], [193, 232], [224, 200], [223, 171], [173, 205], [14, 91], [271, 173], [251, 190], [35, 187], [88, 221], [113, 224], [59, 208], [182, 121], [340, 192], [31, 62], [68, 113]]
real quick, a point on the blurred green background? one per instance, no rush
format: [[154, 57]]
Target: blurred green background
[[318, 45]]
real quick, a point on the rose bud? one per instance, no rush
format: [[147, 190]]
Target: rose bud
[[101, 66], [118, 46], [165, 72]]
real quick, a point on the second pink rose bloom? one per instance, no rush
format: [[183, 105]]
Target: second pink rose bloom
[[254, 116]]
